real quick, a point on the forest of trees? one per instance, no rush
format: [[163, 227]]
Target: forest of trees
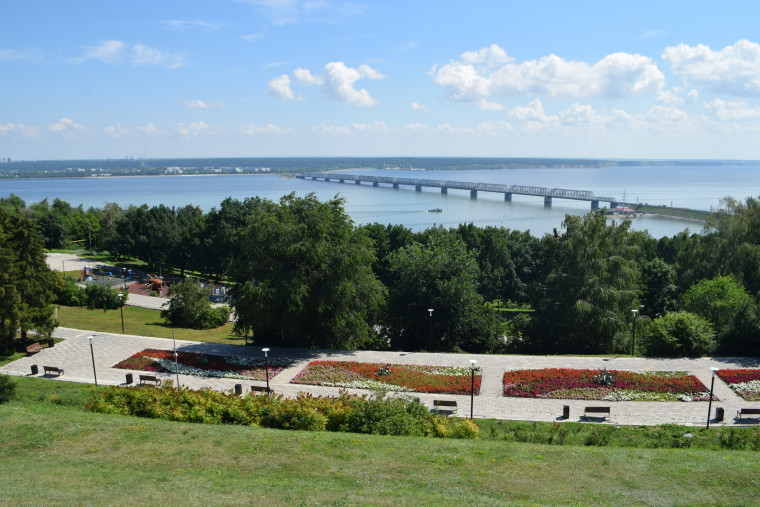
[[305, 275]]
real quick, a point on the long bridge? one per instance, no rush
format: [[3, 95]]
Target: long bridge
[[445, 185]]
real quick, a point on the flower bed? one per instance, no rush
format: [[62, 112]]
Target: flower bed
[[399, 377], [744, 382], [570, 384], [203, 365]]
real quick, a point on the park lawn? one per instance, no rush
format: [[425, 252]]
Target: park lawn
[[78, 457], [141, 322]]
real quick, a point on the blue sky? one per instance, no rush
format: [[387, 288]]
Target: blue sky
[[217, 78]]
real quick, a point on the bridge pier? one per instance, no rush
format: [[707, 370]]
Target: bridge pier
[[613, 205], [547, 201], [375, 184], [444, 190], [418, 188], [508, 196], [313, 178], [342, 181], [358, 182], [473, 194], [594, 204], [395, 185]]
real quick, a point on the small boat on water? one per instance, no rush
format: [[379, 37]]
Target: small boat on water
[[435, 210]]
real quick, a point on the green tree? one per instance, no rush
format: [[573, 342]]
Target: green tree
[[660, 292], [680, 334], [718, 300], [441, 274], [303, 276], [593, 283], [189, 307]]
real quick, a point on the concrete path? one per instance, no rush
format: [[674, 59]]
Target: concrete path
[[73, 355]]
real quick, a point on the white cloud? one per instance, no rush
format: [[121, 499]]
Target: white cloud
[[17, 128], [668, 97], [666, 114], [339, 83], [490, 55], [323, 128], [419, 107], [734, 69], [494, 127], [614, 76], [286, 12], [378, 126], [369, 72], [8, 55], [199, 104], [583, 115], [116, 131], [66, 125], [487, 105], [692, 96], [116, 51], [304, 76], [195, 129], [250, 37], [280, 87], [150, 130], [448, 128], [252, 130], [733, 111], [652, 33], [416, 127], [182, 25], [533, 117]]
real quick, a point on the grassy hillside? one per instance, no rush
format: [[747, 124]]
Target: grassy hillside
[[674, 212], [73, 456]]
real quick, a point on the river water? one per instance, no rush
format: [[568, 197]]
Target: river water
[[698, 187]]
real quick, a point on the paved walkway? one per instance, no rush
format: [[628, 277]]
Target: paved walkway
[[73, 355]]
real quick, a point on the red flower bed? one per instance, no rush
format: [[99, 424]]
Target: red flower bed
[[399, 377], [745, 382], [579, 384]]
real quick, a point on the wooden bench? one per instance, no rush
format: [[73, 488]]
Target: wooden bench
[[446, 407], [33, 349], [261, 389], [604, 411], [150, 378], [744, 412], [53, 369]]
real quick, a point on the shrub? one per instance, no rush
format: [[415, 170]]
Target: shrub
[[465, 428], [680, 334], [7, 388], [189, 306]]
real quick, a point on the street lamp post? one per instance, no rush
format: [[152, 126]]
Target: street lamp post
[[92, 354], [266, 362], [709, 406], [633, 341], [430, 330], [176, 360], [472, 386], [121, 308]]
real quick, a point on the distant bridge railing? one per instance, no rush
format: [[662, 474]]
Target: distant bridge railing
[[474, 188]]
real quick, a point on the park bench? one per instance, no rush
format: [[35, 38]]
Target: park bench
[[53, 369], [261, 389], [33, 349], [446, 407], [744, 412], [150, 378], [604, 411]]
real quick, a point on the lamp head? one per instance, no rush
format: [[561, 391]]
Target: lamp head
[[430, 310], [714, 369], [90, 339], [265, 351], [472, 363], [635, 312]]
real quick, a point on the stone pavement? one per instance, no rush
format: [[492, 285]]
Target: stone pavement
[[73, 355]]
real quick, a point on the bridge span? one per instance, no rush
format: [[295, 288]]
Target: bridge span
[[508, 190]]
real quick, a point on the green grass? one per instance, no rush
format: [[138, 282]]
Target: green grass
[[674, 212], [78, 457], [141, 322]]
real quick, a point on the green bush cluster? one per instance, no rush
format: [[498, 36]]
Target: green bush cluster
[[379, 415], [7, 388], [92, 296]]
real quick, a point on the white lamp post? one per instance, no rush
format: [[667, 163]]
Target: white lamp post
[[430, 330], [633, 342], [472, 386], [709, 406], [121, 307], [92, 354], [266, 362]]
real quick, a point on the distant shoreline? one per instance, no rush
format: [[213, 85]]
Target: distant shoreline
[[643, 215]]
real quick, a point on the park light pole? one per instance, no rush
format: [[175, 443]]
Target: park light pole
[[709, 406], [633, 342], [176, 361], [266, 362], [92, 354], [472, 386], [121, 307], [430, 330]]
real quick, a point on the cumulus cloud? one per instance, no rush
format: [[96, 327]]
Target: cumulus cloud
[[195, 129], [668, 97], [197, 104], [150, 130], [116, 131], [17, 128], [253, 130], [116, 51], [323, 128], [490, 72], [734, 69], [378, 126], [419, 107], [280, 87], [337, 81], [733, 111], [66, 125]]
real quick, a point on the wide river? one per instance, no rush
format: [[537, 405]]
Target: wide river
[[697, 187]]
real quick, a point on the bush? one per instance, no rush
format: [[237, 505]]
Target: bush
[[189, 306], [7, 388], [465, 428], [680, 334], [92, 296]]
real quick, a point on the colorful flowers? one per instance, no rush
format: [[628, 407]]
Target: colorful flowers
[[572, 384], [744, 382], [203, 365], [391, 377]]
